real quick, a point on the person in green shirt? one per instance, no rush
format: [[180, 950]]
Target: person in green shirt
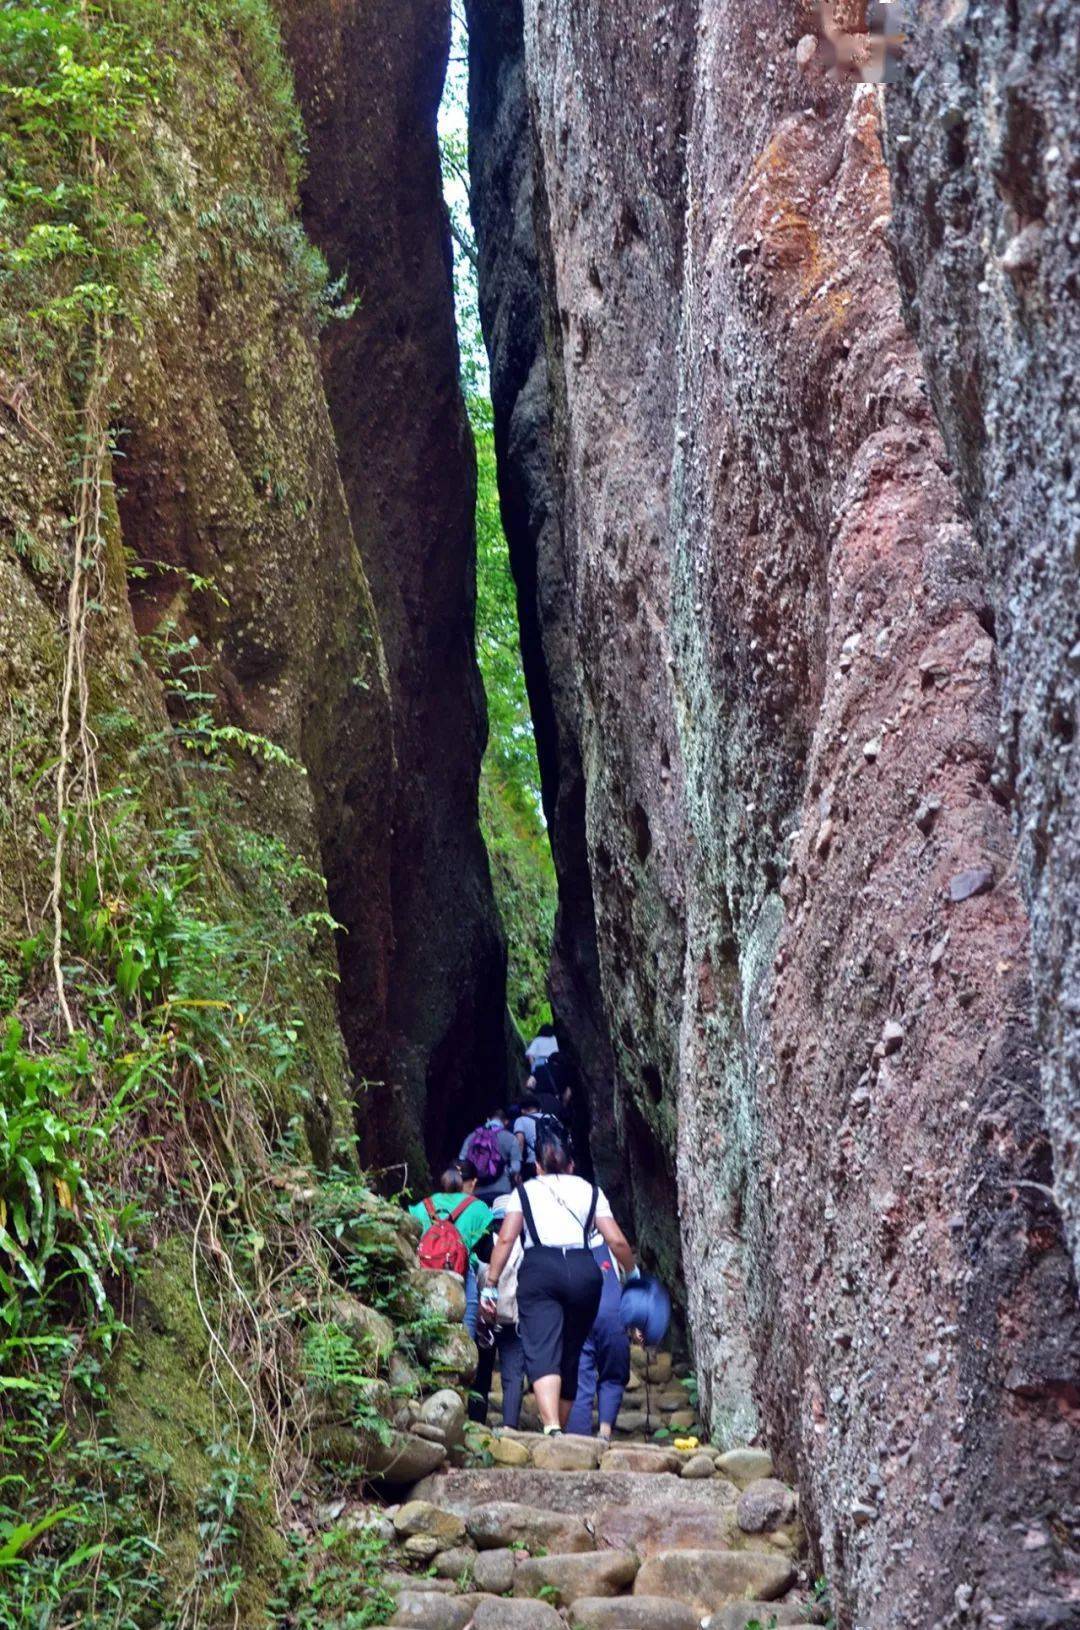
[[457, 1183]]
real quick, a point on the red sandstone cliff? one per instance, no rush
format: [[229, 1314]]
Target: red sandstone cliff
[[763, 627]]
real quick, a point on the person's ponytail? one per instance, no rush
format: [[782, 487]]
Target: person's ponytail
[[455, 1177], [553, 1151]]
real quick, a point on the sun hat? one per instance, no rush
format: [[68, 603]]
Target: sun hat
[[646, 1306]]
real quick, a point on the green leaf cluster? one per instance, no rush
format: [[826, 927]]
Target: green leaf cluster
[[511, 810], [82, 84], [334, 1582], [189, 1054], [510, 803], [75, 81]]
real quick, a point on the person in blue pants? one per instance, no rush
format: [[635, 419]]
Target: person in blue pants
[[604, 1367]]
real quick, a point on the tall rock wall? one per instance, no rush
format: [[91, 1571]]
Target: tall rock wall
[[236, 608], [369, 82], [302, 514], [983, 121], [768, 638], [228, 567]]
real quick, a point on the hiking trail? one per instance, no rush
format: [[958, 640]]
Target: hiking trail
[[519, 1531]]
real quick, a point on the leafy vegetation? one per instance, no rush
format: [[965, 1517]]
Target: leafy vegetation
[[335, 1582], [510, 802], [180, 1197], [77, 206], [514, 829], [821, 1602], [177, 1101]]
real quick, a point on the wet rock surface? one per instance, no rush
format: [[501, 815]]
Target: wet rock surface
[[769, 633]]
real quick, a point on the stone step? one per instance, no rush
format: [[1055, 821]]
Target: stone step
[[738, 1615], [569, 1492], [426, 1611], [678, 1526], [707, 1580], [531, 1439], [571, 1453], [644, 1457], [745, 1465], [495, 1524], [633, 1613], [563, 1579]]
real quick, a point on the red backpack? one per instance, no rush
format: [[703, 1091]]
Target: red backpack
[[442, 1247]]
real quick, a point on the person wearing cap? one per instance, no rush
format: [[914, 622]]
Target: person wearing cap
[[559, 1284]]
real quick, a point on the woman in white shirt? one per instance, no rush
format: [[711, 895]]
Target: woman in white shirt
[[543, 1045], [559, 1282]]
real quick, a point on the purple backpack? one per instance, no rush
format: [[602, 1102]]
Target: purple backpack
[[485, 1154]]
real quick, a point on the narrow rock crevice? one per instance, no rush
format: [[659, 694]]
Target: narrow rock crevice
[[369, 84], [512, 312]]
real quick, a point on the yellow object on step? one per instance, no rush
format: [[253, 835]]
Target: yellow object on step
[[686, 1444]]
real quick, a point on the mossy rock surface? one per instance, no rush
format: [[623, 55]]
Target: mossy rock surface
[[163, 1406]]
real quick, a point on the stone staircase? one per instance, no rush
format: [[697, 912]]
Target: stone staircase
[[548, 1533]]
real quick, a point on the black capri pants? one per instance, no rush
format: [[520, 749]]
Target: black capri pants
[[558, 1299]]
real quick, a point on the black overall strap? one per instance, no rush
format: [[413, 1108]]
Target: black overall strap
[[592, 1214], [530, 1221]]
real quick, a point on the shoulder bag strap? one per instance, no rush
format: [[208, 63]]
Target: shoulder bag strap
[[530, 1220], [429, 1207], [592, 1214], [587, 1225], [469, 1200]]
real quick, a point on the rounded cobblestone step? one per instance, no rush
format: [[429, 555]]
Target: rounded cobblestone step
[[569, 1492], [710, 1580]]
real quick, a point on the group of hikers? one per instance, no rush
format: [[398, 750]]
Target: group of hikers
[[542, 1257]]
